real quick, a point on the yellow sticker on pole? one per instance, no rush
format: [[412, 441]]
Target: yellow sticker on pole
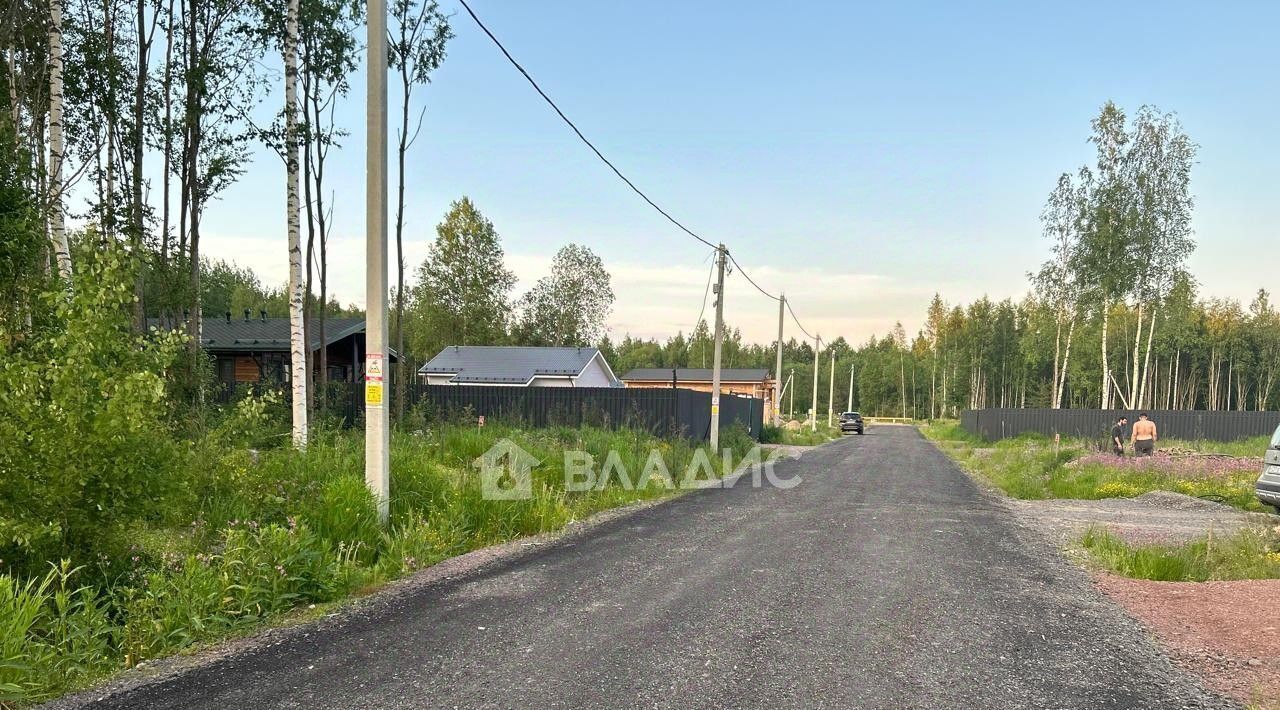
[[715, 409], [373, 394]]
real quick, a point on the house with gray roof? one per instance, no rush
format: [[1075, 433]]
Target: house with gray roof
[[518, 366]]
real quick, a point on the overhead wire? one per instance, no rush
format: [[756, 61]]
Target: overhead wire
[[579, 133], [797, 320], [582, 137], [748, 278]]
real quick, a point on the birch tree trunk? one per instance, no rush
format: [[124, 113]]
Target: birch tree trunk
[[1106, 363], [297, 324], [1146, 364], [57, 149], [1061, 385], [1137, 347]]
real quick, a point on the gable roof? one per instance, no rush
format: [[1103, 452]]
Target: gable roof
[[501, 364], [265, 335], [696, 374]]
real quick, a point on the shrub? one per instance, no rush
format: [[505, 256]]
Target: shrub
[[83, 431]]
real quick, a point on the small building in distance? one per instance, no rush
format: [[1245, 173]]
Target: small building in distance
[[748, 382], [518, 366], [250, 350]]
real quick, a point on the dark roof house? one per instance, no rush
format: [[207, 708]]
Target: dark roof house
[[519, 366], [252, 349]]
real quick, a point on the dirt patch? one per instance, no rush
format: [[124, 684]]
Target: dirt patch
[[1156, 517], [1227, 633]]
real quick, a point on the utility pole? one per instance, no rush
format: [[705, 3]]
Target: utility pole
[[813, 411], [831, 389], [715, 360], [376, 434], [851, 366], [777, 368]]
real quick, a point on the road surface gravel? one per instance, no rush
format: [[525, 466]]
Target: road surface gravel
[[886, 579]]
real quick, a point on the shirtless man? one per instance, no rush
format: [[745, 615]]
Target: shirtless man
[[1144, 436]]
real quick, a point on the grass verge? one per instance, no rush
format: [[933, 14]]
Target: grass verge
[[1035, 468], [251, 536], [1247, 554], [798, 437]]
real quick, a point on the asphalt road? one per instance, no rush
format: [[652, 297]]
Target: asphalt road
[[886, 579]]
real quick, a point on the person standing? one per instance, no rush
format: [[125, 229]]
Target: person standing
[[1144, 436], [1117, 436]]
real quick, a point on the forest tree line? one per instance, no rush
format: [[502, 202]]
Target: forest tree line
[[1112, 319]]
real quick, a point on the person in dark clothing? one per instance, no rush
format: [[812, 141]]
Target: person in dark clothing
[[1117, 436]]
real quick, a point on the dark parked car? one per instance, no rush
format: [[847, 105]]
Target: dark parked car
[[1268, 486], [850, 421]]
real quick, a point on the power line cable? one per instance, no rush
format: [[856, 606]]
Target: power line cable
[[529, 78], [703, 310], [797, 320], [581, 137], [748, 278]]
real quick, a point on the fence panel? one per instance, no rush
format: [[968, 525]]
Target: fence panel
[[663, 412], [996, 424]]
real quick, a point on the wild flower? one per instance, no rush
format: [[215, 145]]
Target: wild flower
[[1216, 467]]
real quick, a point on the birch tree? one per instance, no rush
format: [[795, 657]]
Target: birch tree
[[57, 148], [416, 47], [298, 347]]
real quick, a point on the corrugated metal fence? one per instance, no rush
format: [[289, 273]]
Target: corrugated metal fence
[[663, 411], [995, 424]]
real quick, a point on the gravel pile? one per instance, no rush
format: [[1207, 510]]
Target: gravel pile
[[1169, 500]]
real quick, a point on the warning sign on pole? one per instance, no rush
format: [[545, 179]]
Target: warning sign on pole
[[373, 394], [373, 367]]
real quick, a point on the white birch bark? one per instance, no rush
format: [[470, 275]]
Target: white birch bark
[[299, 377], [1146, 364], [1106, 363], [1061, 384], [57, 149]]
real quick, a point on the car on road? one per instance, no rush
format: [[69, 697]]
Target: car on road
[[851, 422], [1268, 486]]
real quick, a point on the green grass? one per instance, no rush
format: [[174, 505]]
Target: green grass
[[256, 535], [799, 437], [1248, 554], [1033, 467]]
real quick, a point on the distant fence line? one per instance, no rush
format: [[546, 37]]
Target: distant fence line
[[996, 424], [661, 411]]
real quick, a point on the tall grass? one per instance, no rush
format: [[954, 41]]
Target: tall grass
[[255, 534], [798, 437], [1033, 467], [1247, 554]]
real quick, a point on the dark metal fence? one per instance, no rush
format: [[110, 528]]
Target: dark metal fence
[[995, 424], [665, 412]]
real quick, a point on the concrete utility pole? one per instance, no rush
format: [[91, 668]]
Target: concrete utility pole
[[813, 411], [777, 368], [851, 366], [376, 433], [831, 389], [715, 359]]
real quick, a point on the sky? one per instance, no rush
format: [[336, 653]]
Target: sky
[[857, 156]]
